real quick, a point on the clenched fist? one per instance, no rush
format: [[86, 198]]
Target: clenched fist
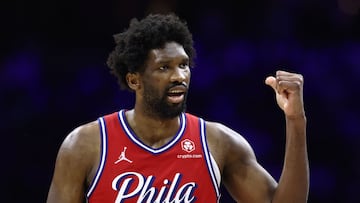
[[288, 88]]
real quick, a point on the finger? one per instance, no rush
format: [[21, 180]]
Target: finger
[[284, 73], [289, 85], [280, 74], [271, 81], [292, 78]]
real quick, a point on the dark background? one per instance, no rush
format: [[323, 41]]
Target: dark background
[[53, 78]]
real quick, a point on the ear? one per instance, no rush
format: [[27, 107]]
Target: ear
[[133, 80]]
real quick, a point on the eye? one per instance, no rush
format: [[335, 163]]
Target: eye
[[163, 68], [184, 65]]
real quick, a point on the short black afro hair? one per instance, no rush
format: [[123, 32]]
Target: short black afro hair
[[152, 32]]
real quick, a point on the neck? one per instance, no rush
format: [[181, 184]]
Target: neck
[[154, 132]]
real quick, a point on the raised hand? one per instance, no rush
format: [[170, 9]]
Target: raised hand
[[288, 88]]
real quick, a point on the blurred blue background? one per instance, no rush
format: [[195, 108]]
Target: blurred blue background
[[53, 78]]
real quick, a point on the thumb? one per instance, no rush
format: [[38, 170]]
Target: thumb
[[271, 81]]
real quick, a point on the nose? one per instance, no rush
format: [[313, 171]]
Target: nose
[[179, 75]]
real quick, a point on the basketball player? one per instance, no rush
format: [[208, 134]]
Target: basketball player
[[158, 153]]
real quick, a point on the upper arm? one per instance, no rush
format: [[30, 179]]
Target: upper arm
[[244, 178], [73, 164]]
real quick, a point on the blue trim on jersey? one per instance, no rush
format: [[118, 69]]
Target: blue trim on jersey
[[131, 134], [104, 144], [207, 157]]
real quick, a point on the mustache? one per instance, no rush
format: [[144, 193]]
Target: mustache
[[174, 84]]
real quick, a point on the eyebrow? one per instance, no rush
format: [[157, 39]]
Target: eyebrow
[[165, 61]]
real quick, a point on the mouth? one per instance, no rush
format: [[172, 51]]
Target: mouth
[[176, 94]]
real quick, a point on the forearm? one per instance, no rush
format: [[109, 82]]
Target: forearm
[[294, 181]]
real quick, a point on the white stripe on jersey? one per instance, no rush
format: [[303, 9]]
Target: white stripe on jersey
[[131, 135], [102, 157], [210, 161]]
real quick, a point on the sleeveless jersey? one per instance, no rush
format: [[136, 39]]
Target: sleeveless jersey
[[181, 171]]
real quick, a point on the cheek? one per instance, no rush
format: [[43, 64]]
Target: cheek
[[160, 81], [155, 85]]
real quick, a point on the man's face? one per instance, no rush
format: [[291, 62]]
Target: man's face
[[165, 81]]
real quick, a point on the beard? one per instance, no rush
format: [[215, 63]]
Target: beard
[[156, 105]]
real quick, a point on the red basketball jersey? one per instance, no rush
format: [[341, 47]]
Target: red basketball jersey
[[181, 171]]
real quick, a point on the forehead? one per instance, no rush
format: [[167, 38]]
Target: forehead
[[170, 51]]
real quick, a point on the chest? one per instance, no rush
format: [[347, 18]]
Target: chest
[[180, 170]]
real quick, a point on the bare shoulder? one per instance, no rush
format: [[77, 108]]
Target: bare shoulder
[[75, 163], [227, 145], [82, 138], [225, 137], [81, 147]]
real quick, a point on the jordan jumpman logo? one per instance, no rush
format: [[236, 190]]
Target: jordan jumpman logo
[[122, 157]]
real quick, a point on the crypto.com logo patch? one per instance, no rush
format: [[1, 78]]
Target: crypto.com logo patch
[[187, 145]]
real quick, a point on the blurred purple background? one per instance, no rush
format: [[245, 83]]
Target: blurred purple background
[[53, 78]]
